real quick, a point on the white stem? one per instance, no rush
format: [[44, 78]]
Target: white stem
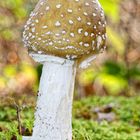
[[53, 117]]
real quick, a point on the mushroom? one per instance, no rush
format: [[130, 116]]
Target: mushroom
[[60, 34]]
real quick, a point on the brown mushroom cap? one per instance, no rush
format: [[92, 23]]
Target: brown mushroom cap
[[66, 28]]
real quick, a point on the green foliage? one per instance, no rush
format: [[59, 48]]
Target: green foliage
[[85, 121], [116, 40], [20, 75], [125, 127], [111, 8], [17, 6], [113, 76]]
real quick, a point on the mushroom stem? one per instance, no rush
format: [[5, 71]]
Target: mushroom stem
[[53, 116]]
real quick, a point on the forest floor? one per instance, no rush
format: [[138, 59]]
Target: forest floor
[[94, 118]]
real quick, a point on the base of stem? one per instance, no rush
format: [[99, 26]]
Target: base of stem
[[26, 138]]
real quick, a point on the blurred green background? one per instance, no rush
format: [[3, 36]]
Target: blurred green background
[[116, 72]]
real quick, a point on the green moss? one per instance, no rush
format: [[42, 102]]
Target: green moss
[[125, 126]]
